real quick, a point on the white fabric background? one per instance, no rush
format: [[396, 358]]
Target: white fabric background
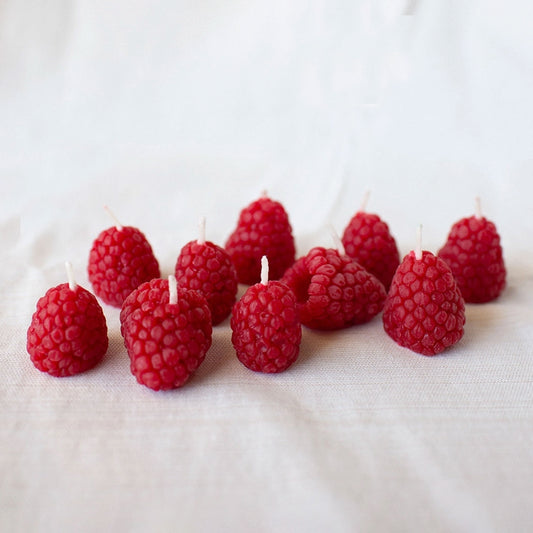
[[167, 111]]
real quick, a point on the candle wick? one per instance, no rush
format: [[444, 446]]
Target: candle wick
[[201, 231], [478, 208], [264, 270], [364, 203], [118, 225], [418, 249], [336, 240], [264, 193], [172, 290], [70, 276]]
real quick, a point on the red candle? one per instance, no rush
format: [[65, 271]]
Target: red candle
[[424, 310], [333, 291], [368, 240], [475, 255], [208, 268], [263, 228], [266, 331], [167, 332], [120, 259], [68, 331]]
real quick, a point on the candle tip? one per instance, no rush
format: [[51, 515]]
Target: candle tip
[[264, 270], [70, 276], [118, 225], [201, 232], [173, 290], [336, 240], [418, 249], [364, 203], [478, 208]]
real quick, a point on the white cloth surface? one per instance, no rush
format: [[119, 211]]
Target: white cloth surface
[[167, 111]]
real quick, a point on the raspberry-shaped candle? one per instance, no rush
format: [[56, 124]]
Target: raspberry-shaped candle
[[120, 260], [206, 267], [333, 291], [367, 239], [263, 228], [68, 331], [167, 332], [424, 310], [266, 332], [474, 253]]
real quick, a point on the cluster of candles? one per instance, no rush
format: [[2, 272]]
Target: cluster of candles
[[167, 331]]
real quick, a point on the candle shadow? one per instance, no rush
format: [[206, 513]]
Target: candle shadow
[[318, 346], [494, 317], [312, 345], [220, 355], [116, 350], [326, 347]]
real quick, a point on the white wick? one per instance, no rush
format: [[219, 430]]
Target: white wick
[[118, 225], [264, 270], [478, 208], [264, 193], [364, 203], [201, 231], [418, 249], [173, 290], [336, 240], [70, 275]]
